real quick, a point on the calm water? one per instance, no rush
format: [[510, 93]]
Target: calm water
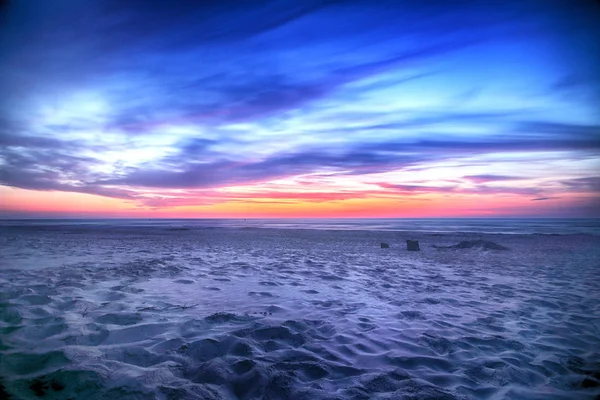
[[481, 225]]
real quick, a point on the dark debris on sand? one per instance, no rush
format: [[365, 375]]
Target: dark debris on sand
[[590, 374], [3, 393], [412, 245], [40, 386], [474, 244]]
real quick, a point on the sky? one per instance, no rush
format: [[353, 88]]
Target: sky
[[286, 108]]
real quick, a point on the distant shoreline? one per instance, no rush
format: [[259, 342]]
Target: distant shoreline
[[526, 226]]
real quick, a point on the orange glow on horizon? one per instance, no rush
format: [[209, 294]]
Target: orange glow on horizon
[[47, 204]]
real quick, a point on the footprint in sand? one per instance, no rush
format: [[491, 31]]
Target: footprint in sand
[[184, 281], [411, 315]]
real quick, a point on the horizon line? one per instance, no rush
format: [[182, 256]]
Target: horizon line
[[280, 218]]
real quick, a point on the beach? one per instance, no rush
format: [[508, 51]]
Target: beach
[[178, 311]]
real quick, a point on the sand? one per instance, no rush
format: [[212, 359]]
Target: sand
[[145, 313]]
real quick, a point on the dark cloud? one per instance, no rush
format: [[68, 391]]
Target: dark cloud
[[224, 172], [591, 183], [457, 190], [36, 170], [574, 81], [535, 136], [412, 188], [229, 98], [554, 130], [32, 142], [41, 163], [422, 119], [490, 178]]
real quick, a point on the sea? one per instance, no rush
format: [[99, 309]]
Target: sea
[[476, 225]]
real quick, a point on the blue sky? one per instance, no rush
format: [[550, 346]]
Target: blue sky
[[224, 107]]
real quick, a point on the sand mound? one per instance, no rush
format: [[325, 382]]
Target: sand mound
[[474, 244]]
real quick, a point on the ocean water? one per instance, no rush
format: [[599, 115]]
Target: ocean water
[[288, 309], [563, 226]]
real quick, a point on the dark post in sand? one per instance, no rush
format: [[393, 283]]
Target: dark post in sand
[[412, 245]]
